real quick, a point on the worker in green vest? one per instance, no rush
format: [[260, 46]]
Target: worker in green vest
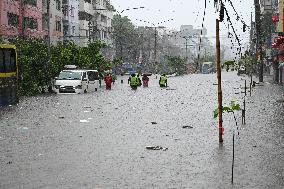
[[163, 80], [133, 80]]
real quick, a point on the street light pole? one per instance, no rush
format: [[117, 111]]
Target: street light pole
[[155, 47], [258, 38], [186, 44], [48, 28], [220, 106]]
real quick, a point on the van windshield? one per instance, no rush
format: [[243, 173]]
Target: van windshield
[[70, 75]]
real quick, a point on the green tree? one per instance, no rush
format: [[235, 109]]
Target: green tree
[[177, 64], [36, 69], [126, 38]]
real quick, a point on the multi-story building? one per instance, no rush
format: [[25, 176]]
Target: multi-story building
[[95, 18], [55, 20], [265, 6], [21, 18], [71, 25], [78, 20], [104, 16], [86, 20]]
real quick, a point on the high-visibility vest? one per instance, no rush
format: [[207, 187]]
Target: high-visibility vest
[[133, 81], [163, 80]]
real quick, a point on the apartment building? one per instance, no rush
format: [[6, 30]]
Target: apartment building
[[104, 16], [95, 18], [71, 24], [21, 18], [55, 20], [78, 20]]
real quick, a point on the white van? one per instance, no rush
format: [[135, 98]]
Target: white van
[[75, 81]]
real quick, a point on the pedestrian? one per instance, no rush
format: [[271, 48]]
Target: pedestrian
[[113, 78], [139, 80], [108, 81], [133, 81], [100, 79], [163, 80], [145, 80]]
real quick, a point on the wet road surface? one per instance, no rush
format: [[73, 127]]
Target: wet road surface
[[98, 140]]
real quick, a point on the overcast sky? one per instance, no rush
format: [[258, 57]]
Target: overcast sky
[[185, 12]]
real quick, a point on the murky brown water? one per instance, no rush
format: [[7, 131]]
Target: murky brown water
[[98, 140]]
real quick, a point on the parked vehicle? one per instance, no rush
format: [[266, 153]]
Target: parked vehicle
[[76, 81], [8, 75], [207, 67], [242, 70]]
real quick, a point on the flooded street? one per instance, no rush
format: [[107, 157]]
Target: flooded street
[[99, 140]]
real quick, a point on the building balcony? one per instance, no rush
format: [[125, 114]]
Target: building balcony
[[86, 7]]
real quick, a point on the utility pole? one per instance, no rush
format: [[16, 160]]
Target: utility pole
[[220, 106], [155, 47], [22, 18], [48, 28], [258, 38], [186, 47]]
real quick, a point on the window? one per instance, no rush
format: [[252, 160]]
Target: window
[[84, 75], [58, 26], [103, 18], [30, 23], [104, 34], [65, 30], [45, 21], [1, 60], [64, 1], [13, 19], [58, 5], [30, 2], [84, 16], [72, 11], [65, 10], [8, 60], [87, 33], [73, 30]]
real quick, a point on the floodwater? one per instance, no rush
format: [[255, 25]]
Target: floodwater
[[98, 140]]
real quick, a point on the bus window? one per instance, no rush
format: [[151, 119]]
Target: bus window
[[10, 60], [13, 60], [91, 76], [84, 75], [1, 61]]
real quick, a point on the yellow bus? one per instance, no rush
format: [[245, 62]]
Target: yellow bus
[[8, 75]]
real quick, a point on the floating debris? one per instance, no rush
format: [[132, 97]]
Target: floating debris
[[187, 127], [156, 148], [61, 117], [84, 121], [280, 100], [87, 107], [23, 128], [154, 123]]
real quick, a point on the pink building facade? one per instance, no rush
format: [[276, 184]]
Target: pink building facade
[[21, 19]]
